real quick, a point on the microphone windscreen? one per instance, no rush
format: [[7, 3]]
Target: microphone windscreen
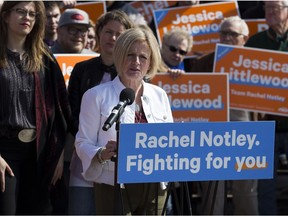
[[127, 94]]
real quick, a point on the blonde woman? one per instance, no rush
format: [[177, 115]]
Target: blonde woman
[[136, 56]]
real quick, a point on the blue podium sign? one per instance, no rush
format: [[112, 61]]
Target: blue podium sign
[[169, 152]]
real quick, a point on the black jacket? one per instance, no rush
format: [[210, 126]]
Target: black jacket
[[85, 75]]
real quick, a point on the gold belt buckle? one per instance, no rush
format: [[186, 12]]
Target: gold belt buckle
[[27, 135]]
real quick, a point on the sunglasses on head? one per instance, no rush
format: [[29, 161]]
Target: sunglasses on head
[[174, 49]]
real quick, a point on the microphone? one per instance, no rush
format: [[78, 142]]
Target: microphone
[[127, 97]]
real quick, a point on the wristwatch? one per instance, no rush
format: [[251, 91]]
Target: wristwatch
[[99, 156]]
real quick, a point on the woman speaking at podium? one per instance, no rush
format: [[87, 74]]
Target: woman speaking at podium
[[136, 57]]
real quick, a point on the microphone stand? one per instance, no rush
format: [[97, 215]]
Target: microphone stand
[[118, 196], [179, 204]]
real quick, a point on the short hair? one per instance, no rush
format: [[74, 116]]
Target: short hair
[[285, 2], [129, 37], [114, 15], [181, 34], [233, 19], [51, 4], [137, 19], [92, 24]]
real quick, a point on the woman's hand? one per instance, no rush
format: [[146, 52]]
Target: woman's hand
[[175, 73], [110, 150], [4, 167], [68, 4], [59, 169]]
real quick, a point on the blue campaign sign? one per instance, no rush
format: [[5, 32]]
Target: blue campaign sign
[[169, 152]]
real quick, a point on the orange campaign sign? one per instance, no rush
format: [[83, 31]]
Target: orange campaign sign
[[146, 8], [68, 61], [94, 9], [256, 25], [201, 21], [258, 78], [196, 97]]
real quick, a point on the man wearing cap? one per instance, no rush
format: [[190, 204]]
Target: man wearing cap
[[72, 32]]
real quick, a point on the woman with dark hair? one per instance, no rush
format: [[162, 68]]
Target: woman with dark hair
[[33, 119]]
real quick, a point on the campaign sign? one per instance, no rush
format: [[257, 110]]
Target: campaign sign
[[68, 61], [201, 21], [258, 78], [196, 97], [169, 152], [94, 9], [146, 8], [256, 25]]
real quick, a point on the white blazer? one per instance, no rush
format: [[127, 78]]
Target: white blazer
[[97, 104]]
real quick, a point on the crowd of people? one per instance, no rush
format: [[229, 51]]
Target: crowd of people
[[55, 158]]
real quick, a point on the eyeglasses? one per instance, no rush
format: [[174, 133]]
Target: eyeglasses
[[230, 33], [73, 30], [23, 13], [174, 50], [273, 8]]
